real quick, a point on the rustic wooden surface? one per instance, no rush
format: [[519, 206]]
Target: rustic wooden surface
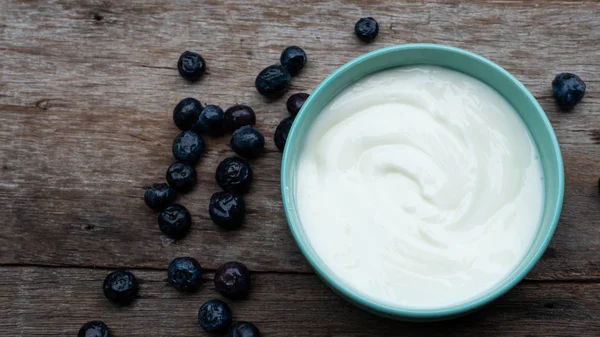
[[86, 94]]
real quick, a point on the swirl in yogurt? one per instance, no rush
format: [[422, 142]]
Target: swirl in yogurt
[[419, 187]]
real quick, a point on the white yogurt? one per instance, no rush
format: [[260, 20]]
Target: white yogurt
[[419, 187]]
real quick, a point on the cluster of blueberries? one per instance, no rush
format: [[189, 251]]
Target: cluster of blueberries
[[234, 175], [226, 208], [232, 280]]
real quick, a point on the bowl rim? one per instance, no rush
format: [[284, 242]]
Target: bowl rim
[[417, 313]]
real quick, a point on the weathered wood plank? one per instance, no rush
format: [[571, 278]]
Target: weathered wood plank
[[55, 302], [87, 88]]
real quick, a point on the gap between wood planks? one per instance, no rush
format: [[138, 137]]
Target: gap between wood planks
[[261, 272]]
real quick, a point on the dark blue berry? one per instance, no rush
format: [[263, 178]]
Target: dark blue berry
[[120, 287], [243, 329], [282, 131], [191, 66], [295, 103], [186, 113], [568, 90], [247, 142], [227, 210], [366, 29], [181, 176], [232, 280], [211, 121], [293, 59], [159, 196], [239, 115], [185, 274], [93, 329], [188, 147], [175, 221], [273, 81], [214, 316], [234, 175]]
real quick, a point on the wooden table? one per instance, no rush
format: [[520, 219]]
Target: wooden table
[[86, 94]]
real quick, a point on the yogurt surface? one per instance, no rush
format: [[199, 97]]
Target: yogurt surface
[[419, 187]]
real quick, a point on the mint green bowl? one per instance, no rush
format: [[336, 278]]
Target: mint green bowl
[[466, 62]]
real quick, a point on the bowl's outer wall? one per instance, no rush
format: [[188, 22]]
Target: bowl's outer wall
[[471, 64]]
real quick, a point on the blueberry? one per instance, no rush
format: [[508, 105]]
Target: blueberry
[[568, 89], [181, 176], [186, 113], [120, 287], [232, 280], [93, 329], [247, 142], [158, 196], [366, 29], [185, 274], [295, 103], [293, 59], [243, 329], [273, 81], [282, 131], [191, 66], [188, 147], [234, 175], [214, 316], [239, 115], [227, 210], [175, 221], [211, 121]]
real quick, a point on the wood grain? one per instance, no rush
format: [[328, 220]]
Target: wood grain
[[86, 94], [61, 300]]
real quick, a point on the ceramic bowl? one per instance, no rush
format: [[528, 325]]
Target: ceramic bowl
[[463, 61]]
